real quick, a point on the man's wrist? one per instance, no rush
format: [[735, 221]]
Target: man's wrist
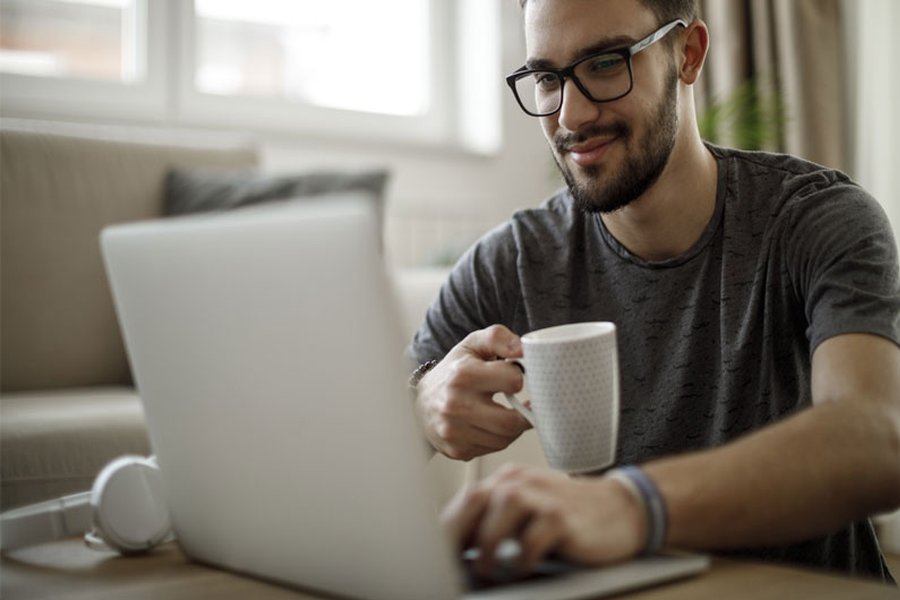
[[420, 372], [630, 514], [646, 495]]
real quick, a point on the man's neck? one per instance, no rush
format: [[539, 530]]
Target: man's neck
[[669, 218]]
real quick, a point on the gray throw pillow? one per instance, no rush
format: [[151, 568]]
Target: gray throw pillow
[[193, 191]]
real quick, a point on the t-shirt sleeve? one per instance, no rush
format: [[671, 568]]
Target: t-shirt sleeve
[[473, 297], [844, 259]]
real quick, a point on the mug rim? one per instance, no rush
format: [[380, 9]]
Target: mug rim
[[569, 332]]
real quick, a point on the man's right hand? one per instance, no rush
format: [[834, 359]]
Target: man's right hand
[[455, 399]]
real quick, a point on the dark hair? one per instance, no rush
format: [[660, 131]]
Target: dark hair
[[665, 10], [669, 10]]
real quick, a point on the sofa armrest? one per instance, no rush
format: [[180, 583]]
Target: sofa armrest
[[416, 289], [54, 442]]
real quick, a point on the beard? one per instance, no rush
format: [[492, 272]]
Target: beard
[[600, 191]]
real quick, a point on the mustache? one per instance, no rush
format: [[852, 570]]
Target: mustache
[[564, 142]]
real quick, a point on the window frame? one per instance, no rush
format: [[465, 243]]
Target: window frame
[[167, 96], [69, 97]]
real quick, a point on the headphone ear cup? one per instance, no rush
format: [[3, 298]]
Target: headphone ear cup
[[129, 507]]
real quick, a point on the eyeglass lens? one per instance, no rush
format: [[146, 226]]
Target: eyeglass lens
[[604, 76]]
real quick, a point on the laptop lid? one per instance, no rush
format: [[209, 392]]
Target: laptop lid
[[266, 349], [267, 352]]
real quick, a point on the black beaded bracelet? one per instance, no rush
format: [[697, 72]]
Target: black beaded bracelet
[[420, 372]]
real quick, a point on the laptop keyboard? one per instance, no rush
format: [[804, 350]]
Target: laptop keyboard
[[505, 571]]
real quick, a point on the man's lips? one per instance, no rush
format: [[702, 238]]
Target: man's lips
[[591, 151]]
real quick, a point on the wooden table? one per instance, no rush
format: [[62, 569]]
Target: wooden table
[[67, 570]]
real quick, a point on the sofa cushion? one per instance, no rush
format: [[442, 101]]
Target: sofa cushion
[[59, 326], [55, 443], [189, 191]]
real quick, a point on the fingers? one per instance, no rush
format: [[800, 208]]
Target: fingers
[[494, 342], [464, 421], [455, 399], [504, 422], [485, 514], [462, 514], [463, 440], [537, 507], [590, 521], [508, 511], [543, 535], [491, 376]]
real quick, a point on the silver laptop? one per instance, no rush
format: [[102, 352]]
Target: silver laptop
[[267, 352]]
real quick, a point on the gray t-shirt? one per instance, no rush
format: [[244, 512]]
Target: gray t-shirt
[[717, 342]]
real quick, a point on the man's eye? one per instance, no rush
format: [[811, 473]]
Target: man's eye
[[608, 63], [546, 81]]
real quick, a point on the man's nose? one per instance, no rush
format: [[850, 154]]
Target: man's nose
[[577, 109]]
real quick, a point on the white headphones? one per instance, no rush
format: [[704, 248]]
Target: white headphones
[[125, 511]]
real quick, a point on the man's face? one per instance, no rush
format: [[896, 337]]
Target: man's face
[[609, 153]]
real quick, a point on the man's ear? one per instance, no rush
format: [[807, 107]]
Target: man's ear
[[694, 46]]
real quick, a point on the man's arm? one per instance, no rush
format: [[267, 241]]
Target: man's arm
[[805, 476], [808, 475]]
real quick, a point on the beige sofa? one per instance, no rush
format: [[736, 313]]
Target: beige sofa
[[67, 404]]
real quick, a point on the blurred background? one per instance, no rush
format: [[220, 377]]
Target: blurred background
[[416, 87]]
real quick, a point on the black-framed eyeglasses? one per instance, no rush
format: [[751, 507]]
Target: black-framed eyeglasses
[[601, 77]]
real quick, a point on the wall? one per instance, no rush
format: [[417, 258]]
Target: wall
[[874, 87]]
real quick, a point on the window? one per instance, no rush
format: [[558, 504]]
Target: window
[[86, 39], [383, 70], [264, 48], [81, 59]]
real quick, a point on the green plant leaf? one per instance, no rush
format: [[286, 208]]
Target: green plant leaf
[[746, 118]]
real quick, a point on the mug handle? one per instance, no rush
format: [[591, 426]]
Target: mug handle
[[514, 400]]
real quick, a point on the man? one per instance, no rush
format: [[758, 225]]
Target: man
[[757, 302]]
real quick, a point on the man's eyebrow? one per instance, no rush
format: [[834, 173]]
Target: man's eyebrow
[[614, 43]]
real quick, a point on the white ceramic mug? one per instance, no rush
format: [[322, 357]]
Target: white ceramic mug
[[573, 377]]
